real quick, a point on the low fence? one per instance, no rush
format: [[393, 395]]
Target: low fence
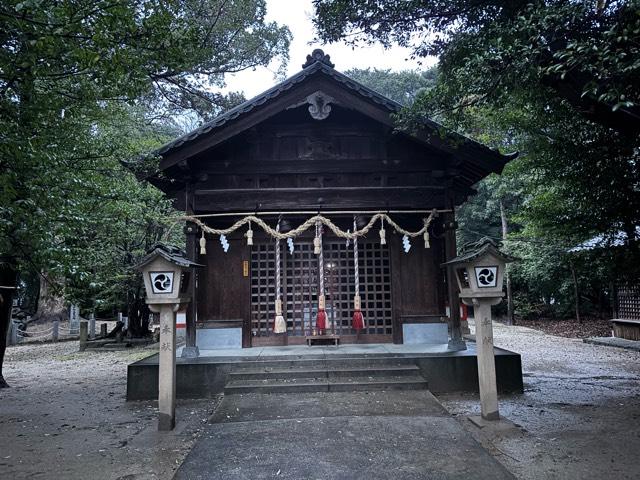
[[57, 331]]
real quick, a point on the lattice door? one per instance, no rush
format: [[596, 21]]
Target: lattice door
[[629, 302], [300, 287]]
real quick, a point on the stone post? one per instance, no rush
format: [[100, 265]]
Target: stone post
[[486, 359], [92, 326], [167, 366], [55, 332], [84, 329], [74, 318], [103, 330]]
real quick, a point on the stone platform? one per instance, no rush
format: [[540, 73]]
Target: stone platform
[[207, 375]]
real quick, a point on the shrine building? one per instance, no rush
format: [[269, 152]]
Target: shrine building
[[322, 144], [317, 221]]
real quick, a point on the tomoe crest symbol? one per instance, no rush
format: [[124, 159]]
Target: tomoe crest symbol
[[162, 282]]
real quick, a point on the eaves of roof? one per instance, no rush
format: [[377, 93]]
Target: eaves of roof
[[495, 160], [249, 105]]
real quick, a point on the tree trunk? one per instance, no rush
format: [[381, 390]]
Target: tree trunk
[[8, 284], [576, 292], [507, 277], [138, 312], [51, 302]]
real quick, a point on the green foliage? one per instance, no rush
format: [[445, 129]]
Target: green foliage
[[88, 84], [403, 86], [556, 81], [489, 49]]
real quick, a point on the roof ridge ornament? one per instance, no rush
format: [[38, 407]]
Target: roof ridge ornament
[[319, 105], [318, 55]]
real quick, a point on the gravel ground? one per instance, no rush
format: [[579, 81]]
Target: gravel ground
[[579, 417], [65, 417]]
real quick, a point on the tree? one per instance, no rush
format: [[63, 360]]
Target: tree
[[8, 276], [66, 69], [586, 52], [555, 80], [564, 75], [403, 86]]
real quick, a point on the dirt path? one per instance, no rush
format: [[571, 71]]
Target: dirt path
[[579, 417], [65, 417]]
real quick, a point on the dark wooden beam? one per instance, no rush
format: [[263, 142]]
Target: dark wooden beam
[[291, 199], [317, 167]]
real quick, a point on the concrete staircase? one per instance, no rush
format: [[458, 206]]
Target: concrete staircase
[[326, 375]]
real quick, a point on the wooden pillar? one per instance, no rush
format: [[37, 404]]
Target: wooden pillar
[[190, 349], [456, 342]]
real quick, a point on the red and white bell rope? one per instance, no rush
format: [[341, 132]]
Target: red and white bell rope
[[279, 325], [321, 319], [358, 320]]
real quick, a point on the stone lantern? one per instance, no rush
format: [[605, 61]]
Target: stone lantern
[[166, 273], [480, 275]]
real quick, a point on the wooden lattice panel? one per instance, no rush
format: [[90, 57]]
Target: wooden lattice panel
[[629, 302], [300, 287]]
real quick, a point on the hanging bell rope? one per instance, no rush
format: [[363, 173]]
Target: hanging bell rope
[[317, 246], [279, 325], [321, 318], [358, 319], [314, 221]]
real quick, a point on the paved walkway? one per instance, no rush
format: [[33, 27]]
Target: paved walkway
[[360, 435]]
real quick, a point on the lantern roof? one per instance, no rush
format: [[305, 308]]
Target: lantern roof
[[486, 246], [170, 253]]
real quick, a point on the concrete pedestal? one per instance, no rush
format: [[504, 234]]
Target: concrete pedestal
[[486, 359], [456, 345], [190, 352]]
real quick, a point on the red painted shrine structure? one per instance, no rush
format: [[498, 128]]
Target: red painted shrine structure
[[320, 142]]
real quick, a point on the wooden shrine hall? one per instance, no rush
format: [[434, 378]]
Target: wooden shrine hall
[[321, 148]]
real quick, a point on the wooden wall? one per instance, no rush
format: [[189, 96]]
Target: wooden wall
[[292, 162], [223, 291], [417, 281]]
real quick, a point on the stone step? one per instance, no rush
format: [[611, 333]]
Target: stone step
[[338, 384], [332, 363], [302, 372]]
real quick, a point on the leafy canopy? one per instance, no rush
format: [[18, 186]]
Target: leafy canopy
[[88, 84]]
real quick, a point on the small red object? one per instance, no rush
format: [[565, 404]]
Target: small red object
[[358, 320], [321, 321]]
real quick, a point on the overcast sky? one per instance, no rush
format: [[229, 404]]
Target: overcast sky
[[296, 14]]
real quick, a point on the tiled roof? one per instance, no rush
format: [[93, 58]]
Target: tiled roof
[[249, 105], [170, 253], [480, 248]]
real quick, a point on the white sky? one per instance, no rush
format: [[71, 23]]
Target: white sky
[[296, 14]]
